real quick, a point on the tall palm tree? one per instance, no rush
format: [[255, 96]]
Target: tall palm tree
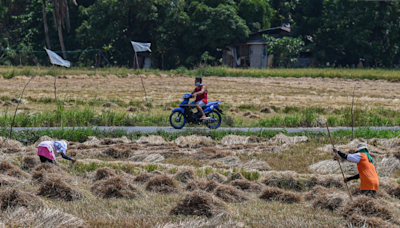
[[61, 17], [46, 27]]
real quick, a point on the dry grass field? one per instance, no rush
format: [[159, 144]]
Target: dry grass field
[[195, 181], [242, 97], [280, 92]]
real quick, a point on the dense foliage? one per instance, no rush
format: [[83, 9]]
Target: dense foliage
[[286, 47], [181, 31]]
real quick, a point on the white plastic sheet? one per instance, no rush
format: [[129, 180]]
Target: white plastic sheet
[[57, 60], [140, 47], [236, 60]]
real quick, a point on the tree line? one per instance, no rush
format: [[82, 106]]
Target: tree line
[[340, 32]]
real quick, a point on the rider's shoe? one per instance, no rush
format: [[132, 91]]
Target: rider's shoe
[[205, 120]]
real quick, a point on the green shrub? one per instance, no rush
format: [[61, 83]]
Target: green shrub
[[228, 121], [290, 109], [246, 107], [276, 109], [333, 121], [182, 70], [292, 121], [151, 167], [251, 176], [308, 116]]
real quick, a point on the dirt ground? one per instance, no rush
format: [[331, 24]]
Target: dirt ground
[[196, 182], [274, 91]]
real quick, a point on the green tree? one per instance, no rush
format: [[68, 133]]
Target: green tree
[[45, 25], [307, 17], [211, 29], [257, 13], [124, 21], [172, 24], [212, 3], [282, 11], [284, 49], [352, 30], [11, 30], [343, 32], [3, 10], [61, 18]]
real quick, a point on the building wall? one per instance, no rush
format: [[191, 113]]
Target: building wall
[[258, 59], [147, 63], [227, 58]]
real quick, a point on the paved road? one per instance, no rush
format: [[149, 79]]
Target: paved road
[[170, 129]]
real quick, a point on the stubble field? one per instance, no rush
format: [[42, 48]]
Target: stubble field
[[205, 179], [246, 101], [194, 181]]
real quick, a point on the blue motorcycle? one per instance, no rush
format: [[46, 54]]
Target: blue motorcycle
[[183, 114]]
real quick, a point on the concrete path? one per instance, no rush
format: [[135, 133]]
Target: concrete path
[[170, 129]]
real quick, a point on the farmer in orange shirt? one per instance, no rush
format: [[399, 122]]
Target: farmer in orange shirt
[[366, 169]]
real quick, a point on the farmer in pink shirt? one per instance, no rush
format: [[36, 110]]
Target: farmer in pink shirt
[[48, 150]]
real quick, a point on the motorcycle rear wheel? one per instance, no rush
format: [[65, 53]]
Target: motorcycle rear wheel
[[217, 123]]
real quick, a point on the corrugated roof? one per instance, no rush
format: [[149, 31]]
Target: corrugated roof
[[286, 29], [262, 41]]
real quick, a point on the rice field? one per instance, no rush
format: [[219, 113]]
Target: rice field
[[344, 73], [118, 99], [197, 178], [192, 179]]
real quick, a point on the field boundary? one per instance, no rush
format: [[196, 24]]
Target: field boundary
[[392, 75], [170, 129]]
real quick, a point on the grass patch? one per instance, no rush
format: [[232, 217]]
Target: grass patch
[[152, 167], [372, 74], [184, 160], [80, 167], [91, 113], [306, 117], [12, 71], [81, 117], [251, 176]]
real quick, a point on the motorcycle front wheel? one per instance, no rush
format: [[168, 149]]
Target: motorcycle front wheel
[[177, 120]]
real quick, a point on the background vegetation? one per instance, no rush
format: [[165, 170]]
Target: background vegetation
[[340, 32], [291, 116], [371, 74]]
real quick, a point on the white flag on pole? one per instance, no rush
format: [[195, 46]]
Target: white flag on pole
[[140, 47], [56, 59]]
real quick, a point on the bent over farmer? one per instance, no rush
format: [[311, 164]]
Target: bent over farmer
[[48, 150], [366, 169]]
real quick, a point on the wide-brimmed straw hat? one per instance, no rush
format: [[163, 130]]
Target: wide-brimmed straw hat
[[362, 146]]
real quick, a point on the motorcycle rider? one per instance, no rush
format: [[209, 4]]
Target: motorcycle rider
[[200, 92]]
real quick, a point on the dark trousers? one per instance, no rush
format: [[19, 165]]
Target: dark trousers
[[44, 160], [371, 193]]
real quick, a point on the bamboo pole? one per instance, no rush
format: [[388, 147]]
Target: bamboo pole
[[55, 87], [95, 66], [338, 159], [97, 61], [352, 116], [16, 109], [137, 65]]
